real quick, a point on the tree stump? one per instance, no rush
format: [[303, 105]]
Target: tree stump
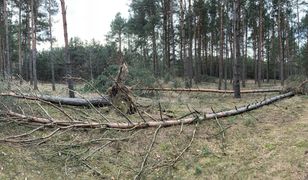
[[120, 95]]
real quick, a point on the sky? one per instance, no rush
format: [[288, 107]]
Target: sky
[[87, 19]]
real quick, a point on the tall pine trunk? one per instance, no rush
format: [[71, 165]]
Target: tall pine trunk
[[237, 53], [33, 36], [66, 53], [7, 46], [53, 81], [260, 43], [280, 54], [190, 45], [20, 55], [221, 58]]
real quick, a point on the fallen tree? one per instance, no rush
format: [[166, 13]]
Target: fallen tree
[[98, 101], [119, 94], [208, 90], [135, 125]]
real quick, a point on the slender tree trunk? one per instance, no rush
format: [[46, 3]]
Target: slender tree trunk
[[244, 73], [2, 58], [289, 63], [212, 54], [7, 46], [226, 63], [260, 42], [33, 33], [231, 46], [53, 81], [20, 56], [66, 53], [237, 53], [172, 38], [154, 54], [255, 60], [190, 48], [30, 66], [182, 35], [221, 58], [280, 56], [198, 49], [166, 7]]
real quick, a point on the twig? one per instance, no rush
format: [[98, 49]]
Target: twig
[[93, 106], [147, 155], [25, 134], [222, 130], [91, 168], [31, 140], [96, 150], [160, 112], [173, 162], [149, 116], [46, 112]]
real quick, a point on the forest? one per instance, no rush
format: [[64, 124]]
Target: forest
[[179, 89]]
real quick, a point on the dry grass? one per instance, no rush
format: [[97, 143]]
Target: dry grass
[[268, 143]]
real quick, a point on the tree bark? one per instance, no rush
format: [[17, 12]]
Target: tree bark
[[66, 53], [33, 36], [20, 55], [221, 58], [190, 47], [237, 53], [260, 43], [182, 36], [280, 57], [96, 101], [53, 81], [7, 46]]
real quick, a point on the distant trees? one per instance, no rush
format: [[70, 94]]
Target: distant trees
[[194, 39]]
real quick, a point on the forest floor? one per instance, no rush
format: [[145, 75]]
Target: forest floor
[[267, 143]]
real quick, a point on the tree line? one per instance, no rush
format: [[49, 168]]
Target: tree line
[[231, 40]]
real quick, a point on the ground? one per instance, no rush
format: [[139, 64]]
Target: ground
[[268, 143]]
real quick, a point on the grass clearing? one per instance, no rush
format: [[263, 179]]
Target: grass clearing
[[267, 143]]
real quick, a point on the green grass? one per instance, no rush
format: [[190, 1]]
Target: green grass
[[268, 143]]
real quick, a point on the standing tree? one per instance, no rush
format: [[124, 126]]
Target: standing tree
[[221, 58], [33, 36], [52, 9], [189, 64], [236, 49], [117, 28], [260, 43], [7, 47], [66, 53], [20, 55]]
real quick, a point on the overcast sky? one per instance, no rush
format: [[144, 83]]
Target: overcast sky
[[88, 19]]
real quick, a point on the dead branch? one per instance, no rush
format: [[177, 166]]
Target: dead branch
[[31, 140], [186, 148], [147, 155], [208, 90]]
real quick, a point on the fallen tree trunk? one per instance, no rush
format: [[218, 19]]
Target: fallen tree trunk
[[98, 101], [208, 90], [105, 100], [208, 116]]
